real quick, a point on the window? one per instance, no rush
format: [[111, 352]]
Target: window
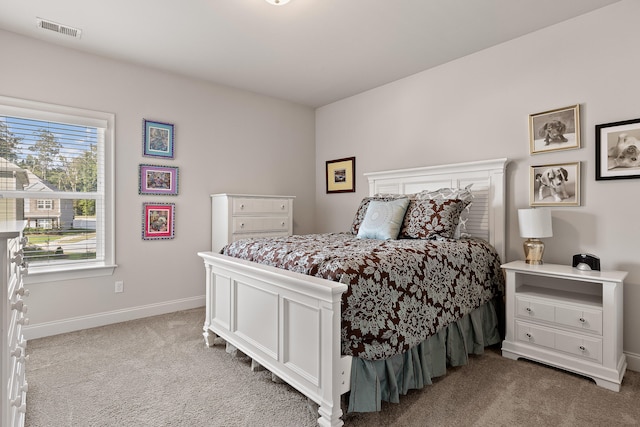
[[56, 173]]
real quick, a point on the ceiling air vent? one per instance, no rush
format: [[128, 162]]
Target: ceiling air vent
[[59, 28]]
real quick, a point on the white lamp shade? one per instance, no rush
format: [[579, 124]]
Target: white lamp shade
[[535, 223]]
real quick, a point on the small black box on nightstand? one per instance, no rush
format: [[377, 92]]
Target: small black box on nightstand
[[586, 262]]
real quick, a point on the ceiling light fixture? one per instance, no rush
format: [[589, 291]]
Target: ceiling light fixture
[[277, 2]]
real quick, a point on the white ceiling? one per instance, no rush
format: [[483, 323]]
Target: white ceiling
[[311, 52]]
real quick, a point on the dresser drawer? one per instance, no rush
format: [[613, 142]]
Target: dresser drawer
[[573, 316], [585, 347], [257, 224], [242, 236], [251, 206]]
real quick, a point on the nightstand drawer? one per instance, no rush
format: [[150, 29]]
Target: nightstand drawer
[[531, 334], [572, 316], [587, 320], [257, 224], [535, 309], [576, 345], [587, 347]]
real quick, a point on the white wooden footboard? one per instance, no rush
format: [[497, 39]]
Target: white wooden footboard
[[287, 322]]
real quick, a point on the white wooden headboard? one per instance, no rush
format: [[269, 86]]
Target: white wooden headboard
[[487, 213]]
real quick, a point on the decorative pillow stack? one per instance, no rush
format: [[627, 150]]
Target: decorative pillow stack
[[383, 219], [442, 213]]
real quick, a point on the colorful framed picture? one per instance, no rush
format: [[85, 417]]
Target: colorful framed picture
[[340, 175], [618, 150], [158, 221], [554, 130], [158, 139], [555, 185], [158, 180]]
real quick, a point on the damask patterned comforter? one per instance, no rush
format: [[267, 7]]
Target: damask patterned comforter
[[400, 291]]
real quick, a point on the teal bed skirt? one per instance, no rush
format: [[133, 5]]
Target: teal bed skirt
[[374, 381]]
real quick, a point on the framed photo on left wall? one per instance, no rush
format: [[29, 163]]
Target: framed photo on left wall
[[158, 221], [340, 175], [158, 180], [158, 139]]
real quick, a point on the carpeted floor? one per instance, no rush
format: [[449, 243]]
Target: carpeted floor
[[157, 372]]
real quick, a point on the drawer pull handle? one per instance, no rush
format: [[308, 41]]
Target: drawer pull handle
[[23, 321], [528, 335], [24, 240], [282, 207], [242, 206], [582, 320], [582, 348], [25, 387], [529, 310], [282, 223], [242, 225], [17, 352], [16, 402], [18, 258]]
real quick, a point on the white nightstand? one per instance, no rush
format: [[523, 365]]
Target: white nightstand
[[566, 318]]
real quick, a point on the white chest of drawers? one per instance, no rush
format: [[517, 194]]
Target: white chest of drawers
[[13, 392], [566, 318], [242, 216]]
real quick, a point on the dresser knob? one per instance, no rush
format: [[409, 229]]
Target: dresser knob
[[23, 359], [582, 348], [22, 292], [242, 225], [19, 306], [529, 310], [16, 402], [17, 352], [582, 320], [23, 321], [529, 335], [25, 387], [242, 206], [24, 240], [282, 207], [18, 258]]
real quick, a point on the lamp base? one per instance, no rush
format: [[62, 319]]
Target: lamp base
[[533, 250]]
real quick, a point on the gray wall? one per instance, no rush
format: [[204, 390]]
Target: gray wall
[[226, 140], [477, 108]]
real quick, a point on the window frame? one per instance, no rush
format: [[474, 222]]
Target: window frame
[[46, 111]]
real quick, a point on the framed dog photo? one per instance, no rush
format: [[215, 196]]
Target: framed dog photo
[[555, 185], [158, 139], [618, 150], [340, 175], [554, 130], [158, 221], [158, 180]]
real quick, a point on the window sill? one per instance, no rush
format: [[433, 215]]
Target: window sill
[[45, 274]]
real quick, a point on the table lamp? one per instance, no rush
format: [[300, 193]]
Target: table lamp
[[534, 225]]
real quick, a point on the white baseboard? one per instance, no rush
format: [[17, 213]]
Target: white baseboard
[[633, 361], [47, 329]]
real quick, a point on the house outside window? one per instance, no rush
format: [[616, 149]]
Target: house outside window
[[66, 155], [44, 204]]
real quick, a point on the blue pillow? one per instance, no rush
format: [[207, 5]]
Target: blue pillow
[[383, 219]]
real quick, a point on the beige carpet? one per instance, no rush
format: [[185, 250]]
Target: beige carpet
[[157, 372]]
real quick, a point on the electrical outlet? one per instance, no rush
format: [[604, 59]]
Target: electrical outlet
[[119, 286]]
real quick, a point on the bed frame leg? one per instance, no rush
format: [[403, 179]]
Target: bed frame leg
[[330, 417], [209, 337]]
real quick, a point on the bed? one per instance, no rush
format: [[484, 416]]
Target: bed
[[292, 323]]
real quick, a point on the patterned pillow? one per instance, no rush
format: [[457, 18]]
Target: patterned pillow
[[463, 194], [362, 209], [430, 219], [383, 219]]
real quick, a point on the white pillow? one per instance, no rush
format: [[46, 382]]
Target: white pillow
[[383, 219]]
